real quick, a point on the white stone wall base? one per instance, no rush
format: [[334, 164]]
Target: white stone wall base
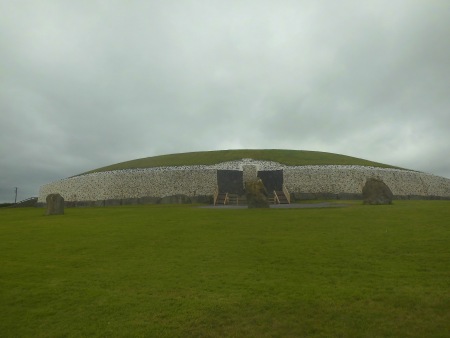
[[154, 183]]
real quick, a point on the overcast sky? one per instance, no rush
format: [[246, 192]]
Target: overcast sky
[[84, 84]]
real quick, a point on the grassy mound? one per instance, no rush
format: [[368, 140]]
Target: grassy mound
[[288, 157]]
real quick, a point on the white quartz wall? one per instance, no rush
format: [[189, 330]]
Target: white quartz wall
[[123, 184], [202, 180], [249, 173], [351, 179]]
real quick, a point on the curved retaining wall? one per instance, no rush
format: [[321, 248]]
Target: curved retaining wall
[[349, 180], [199, 182], [133, 184]]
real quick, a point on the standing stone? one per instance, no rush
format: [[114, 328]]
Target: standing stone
[[55, 204], [375, 191], [256, 194]]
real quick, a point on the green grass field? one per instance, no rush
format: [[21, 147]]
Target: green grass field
[[288, 157], [183, 271]]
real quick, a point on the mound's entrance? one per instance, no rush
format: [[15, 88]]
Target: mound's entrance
[[230, 181], [272, 180]]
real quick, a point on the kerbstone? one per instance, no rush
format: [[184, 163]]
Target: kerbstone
[[176, 199]]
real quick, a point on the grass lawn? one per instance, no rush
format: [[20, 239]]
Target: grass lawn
[[182, 271]]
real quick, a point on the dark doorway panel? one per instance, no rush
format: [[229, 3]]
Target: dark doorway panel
[[230, 181], [272, 179]]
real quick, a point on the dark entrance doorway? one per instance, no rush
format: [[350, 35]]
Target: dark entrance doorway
[[272, 179], [230, 181]]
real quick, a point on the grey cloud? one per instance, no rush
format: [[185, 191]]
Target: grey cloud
[[85, 84]]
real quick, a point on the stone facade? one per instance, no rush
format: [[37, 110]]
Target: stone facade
[[198, 182], [349, 180], [145, 184], [250, 173]]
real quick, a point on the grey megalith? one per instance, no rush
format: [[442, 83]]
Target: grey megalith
[[375, 191], [256, 194], [55, 204]]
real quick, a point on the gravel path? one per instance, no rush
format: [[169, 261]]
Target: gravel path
[[282, 206]]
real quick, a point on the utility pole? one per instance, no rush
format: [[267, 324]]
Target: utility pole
[[15, 199]]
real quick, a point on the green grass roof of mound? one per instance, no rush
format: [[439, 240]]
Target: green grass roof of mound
[[287, 157]]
